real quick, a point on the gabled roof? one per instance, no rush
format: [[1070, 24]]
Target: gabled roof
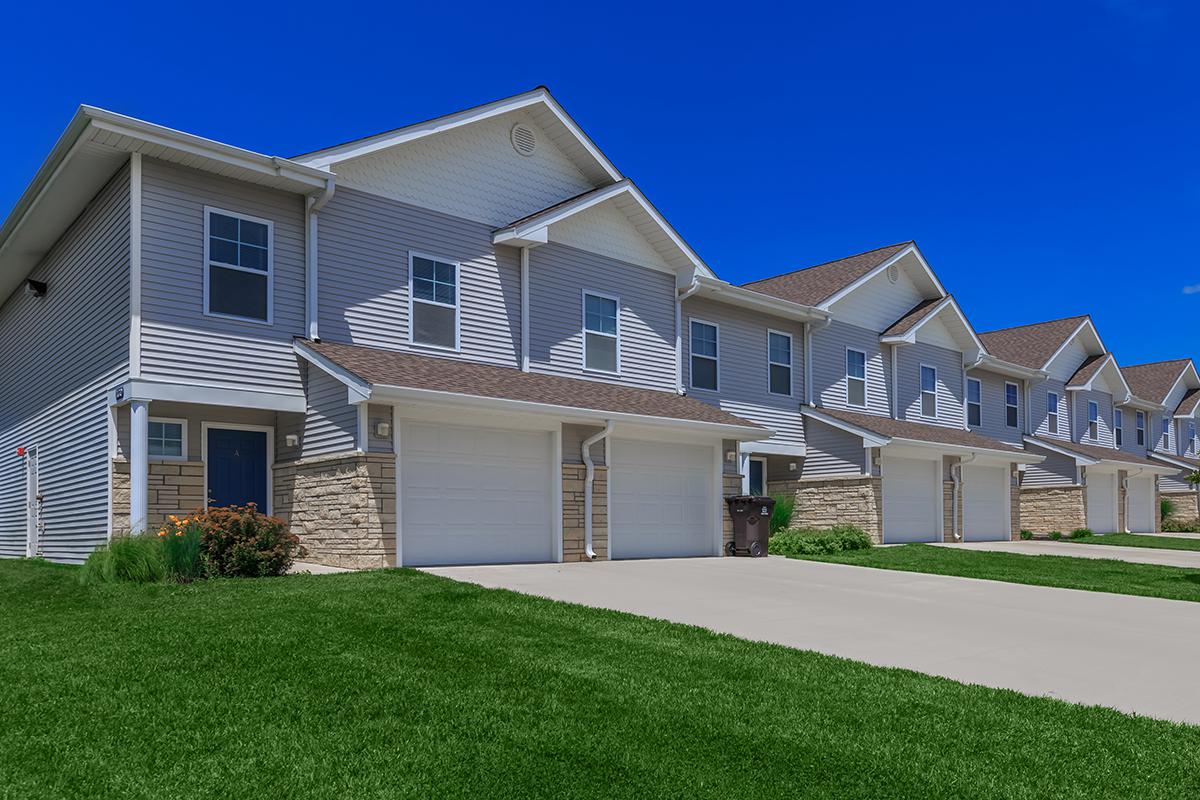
[[1033, 346], [907, 328], [885, 430], [538, 102], [813, 286], [1088, 370], [1189, 403], [373, 371], [915, 315], [1155, 381]]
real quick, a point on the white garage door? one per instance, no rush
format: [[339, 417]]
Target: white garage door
[[912, 499], [985, 503], [663, 500], [475, 495], [1141, 505], [1102, 502]]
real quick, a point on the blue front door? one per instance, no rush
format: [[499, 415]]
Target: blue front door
[[237, 468]]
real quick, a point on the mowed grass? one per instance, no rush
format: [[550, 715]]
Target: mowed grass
[[400, 684], [1066, 572], [1143, 540]]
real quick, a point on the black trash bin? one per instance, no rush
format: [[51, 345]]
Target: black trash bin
[[751, 524]]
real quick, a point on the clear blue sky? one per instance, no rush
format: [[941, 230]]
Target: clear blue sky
[[1045, 156]]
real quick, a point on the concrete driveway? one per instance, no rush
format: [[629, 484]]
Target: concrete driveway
[[1134, 555], [1135, 654]]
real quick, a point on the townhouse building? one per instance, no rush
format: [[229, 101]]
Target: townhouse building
[[1168, 430]]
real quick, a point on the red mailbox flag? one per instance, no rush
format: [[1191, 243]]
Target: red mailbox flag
[[20, 452]]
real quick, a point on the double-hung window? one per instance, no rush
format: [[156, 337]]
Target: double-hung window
[[168, 438], [856, 378], [237, 266], [779, 362], [1191, 436], [433, 288], [1166, 432], [1093, 422], [1139, 420], [1012, 413], [1052, 412], [601, 333], [1118, 427], [928, 391], [974, 402], [706, 355]]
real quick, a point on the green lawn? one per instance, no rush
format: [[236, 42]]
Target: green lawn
[[400, 684], [1142, 540], [1067, 572]]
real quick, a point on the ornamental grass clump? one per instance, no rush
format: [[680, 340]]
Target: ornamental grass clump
[[239, 541], [181, 548], [127, 558]]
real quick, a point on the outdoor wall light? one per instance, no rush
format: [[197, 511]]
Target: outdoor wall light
[[35, 288], [383, 430], [292, 440], [731, 456], [791, 466]]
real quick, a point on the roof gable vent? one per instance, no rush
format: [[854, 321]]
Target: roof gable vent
[[893, 273], [523, 139]]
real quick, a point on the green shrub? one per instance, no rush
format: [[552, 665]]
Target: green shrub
[[182, 548], [781, 515], [1166, 507], [132, 559], [806, 541], [1181, 526], [1055, 535], [1026, 535], [1080, 533], [242, 542]]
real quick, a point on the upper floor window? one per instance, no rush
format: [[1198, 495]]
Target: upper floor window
[[928, 391], [1011, 405], [1166, 431], [601, 333], [856, 377], [433, 290], [705, 355], [1191, 435], [779, 362], [1139, 420], [167, 438], [1118, 427], [1052, 412], [238, 275], [1093, 425], [974, 402]]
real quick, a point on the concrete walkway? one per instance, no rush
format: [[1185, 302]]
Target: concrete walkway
[[1133, 555], [1135, 654], [301, 567]]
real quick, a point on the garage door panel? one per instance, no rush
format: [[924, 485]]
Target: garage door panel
[[1141, 505], [663, 501], [985, 493], [912, 499], [1102, 502]]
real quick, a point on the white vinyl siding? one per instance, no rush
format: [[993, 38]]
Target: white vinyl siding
[[705, 363]]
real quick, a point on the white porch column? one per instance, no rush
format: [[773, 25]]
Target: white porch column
[[139, 463]]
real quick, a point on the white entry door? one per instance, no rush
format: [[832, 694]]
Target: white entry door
[[985, 499], [1141, 508], [664, 503], [475, 495], [1102, 502], [912, 499]]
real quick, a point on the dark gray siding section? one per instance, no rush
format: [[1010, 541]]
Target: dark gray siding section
[[743, 369], [993, 412], [180, 343], [330, 425], [1175, 483], [832, 451], [62, 352], [376, 414], [558, 277], [363, 247], [829, 367], [572, 443], [1056, 470], [949, 366]]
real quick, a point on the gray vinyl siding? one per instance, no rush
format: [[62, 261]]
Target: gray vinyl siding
[[62, 352], [1175, 483], [832, 451], [558, 277], [1104, 404], [180, 343], [1056, 470], [993, 413], [1183, 445], [829, 367], [949, 366], [376, 414], [1039, 401], [1156, 436], [572, 443], [743, 371], [330, 424], [1129, 437], [363, 249]]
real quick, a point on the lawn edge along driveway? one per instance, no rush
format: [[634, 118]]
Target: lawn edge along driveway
[[1143, 540]]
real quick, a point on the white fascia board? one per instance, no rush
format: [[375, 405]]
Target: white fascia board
[[1126, 465], [1183, 373], [204, 395], [384, 394], [1087, 323], [1062, 451], [910, 249], [1145, 405], [1173, 461], [870, 438], [1011, 456], [360, 390], [736, 295], [772, 448], [992, 364]]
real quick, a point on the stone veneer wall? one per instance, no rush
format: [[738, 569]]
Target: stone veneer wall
[[825, 502], [1187, 504], [948, 512], [1014, 503], [343, 507], [574, 477], [1053, 508], [174, 487]]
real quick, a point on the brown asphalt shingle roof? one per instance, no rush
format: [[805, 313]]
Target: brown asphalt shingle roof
[[902, 429], [559, 204], [1094, 451], [914, 315], [1030, 345], [812, 285], [1087, 370], [391, 368], [1189, 402], [1153, 381]]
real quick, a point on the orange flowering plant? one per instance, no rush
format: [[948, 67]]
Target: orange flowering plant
[[181, 547]]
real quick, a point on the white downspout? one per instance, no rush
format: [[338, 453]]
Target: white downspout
[[586, 449], [314, 205], [809, 330], [956, 476], [1125, 488], [525, 309], [679, 298], [895, 381]]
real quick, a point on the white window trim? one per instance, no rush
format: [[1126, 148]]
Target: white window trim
[[921, 391], [791, 361], [1056, 412], [1016, 405], [846, 372], [762, 461], [979, 403], [583, 296], [270, 273], [234, 426], [1139, 421], [183, 444], [457, 306], [1095, 437], [1166, 433], [717, 358], [1118, 428]]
